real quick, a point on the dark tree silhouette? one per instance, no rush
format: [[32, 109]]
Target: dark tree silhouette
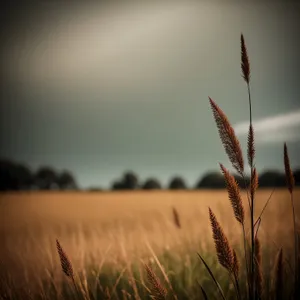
[[8, 180], [177, 183], [117, 185], [14, 177], [272, 179], [66, 181], [24, 177], [17, 176], [151, 184], [212, 180], [130, 181], [94, 189], [297, 177], [46, 178]]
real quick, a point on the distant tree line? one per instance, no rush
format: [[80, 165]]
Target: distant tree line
[[211, 180], [130, 181], [17, 177]]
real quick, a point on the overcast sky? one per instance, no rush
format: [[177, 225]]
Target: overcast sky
[[100, 89]]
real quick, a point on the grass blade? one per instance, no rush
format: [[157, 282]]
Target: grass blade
[[203, 292], [213, 277]]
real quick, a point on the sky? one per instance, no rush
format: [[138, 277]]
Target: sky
[[103, 88]]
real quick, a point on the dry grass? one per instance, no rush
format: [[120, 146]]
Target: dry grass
[[93, 228]]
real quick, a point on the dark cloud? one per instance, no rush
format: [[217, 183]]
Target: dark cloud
[[142, 103]]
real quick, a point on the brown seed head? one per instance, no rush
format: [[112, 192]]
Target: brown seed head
[[228, 138], [223, 249], [245, 64], [176, 218], [64, 260], [234, 195], [254, 182], [251, 147], [157, 289]]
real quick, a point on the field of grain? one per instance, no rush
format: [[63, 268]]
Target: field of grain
[[113, 233]]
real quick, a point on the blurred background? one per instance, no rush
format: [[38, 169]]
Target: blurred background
[[115, 95]]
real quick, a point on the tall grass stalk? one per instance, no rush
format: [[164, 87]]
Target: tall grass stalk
[[234, 153], [290, 184], [66, 265], [245, 65]]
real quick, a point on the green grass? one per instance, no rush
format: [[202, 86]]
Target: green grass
[[184, 270]]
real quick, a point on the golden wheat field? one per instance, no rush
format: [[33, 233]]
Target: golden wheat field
[[117, 227]]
